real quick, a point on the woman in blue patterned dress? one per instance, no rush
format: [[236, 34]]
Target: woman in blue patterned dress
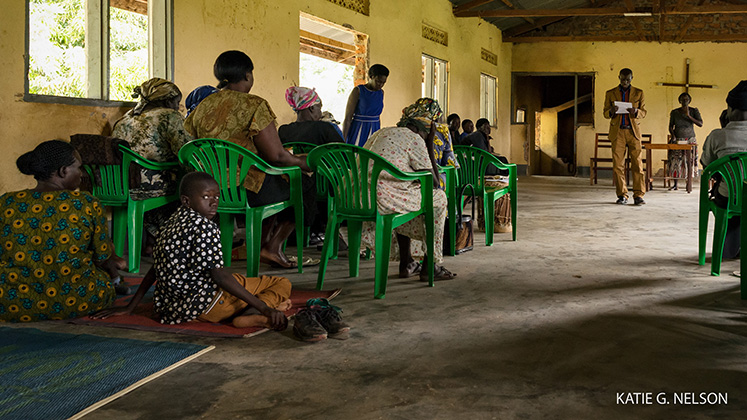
[[55, 251], [365, 104]]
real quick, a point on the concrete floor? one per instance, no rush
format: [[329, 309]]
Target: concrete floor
[[593, 300]]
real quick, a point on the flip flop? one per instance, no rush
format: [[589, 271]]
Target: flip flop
[[416, 269], [441, 274], [307, 261]]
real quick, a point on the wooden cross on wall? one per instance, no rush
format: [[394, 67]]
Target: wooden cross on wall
[[687, 85]]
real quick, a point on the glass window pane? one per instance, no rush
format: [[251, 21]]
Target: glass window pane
[[57, 54], [128, 49]]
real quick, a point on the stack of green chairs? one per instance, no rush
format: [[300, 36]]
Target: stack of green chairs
[[733, 173], [351, 174], [229, 164], [127, 214], [473, 163]]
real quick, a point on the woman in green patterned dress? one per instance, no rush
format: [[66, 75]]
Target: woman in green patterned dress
[[55, 252]]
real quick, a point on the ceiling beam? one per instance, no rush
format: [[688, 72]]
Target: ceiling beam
[[600, 11], [470, 5], [522, 29], [611, 38]]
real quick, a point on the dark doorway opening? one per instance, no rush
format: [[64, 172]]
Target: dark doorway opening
[[553, 106]]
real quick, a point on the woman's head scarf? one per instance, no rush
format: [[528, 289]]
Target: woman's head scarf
[[196, 96], [300, 98], [155, 89], [421, 114]]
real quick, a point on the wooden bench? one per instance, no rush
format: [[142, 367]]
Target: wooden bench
[[602, 141]]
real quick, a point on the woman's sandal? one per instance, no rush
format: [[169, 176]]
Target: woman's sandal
[[441, 273], [415, 267]]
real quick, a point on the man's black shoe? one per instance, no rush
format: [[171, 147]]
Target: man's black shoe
[[638, 201], [621, 200]]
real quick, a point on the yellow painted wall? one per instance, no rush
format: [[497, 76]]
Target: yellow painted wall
[[711, 63], [23, 125], [267, 30]]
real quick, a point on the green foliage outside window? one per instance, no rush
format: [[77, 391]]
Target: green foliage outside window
[[57, 53]]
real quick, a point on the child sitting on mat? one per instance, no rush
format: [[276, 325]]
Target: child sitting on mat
[[191, 282]]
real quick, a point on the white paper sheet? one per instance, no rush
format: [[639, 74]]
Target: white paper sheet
[[622, 107]]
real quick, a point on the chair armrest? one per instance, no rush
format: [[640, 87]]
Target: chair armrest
[[133, 157]]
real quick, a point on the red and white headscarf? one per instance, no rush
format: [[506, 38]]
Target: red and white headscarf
[[300, 98]]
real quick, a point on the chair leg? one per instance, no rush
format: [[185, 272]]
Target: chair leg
[[514, 215], [702, 233], [383, 245], [119, 228], [226, 237], [135, 213], [430, 245], [354, 245], [719, 236], [327, 250], [253, 243], [451, 226], [489, 209], [300, 230]]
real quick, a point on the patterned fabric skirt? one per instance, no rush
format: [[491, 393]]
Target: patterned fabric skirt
[[677, 159], [415, 230]]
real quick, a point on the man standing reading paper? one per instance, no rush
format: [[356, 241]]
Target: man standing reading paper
[[625, 133]]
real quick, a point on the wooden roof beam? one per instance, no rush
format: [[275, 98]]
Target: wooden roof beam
[[600, 11], [470, 5]]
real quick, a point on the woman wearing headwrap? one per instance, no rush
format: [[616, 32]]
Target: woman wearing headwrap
[[410, 147], [155, 131], [308, 127], [233, 114]]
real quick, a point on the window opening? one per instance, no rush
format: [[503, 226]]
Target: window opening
[[435, 82]]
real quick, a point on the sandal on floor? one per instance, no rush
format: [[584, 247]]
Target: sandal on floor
[[417, 268], [441, 273], [307, 261]]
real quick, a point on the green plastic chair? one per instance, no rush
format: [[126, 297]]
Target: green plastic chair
[[229, 164], [351, 174], [300, 147], [733, 172], [473, 162], [127, 213], [743, 256]]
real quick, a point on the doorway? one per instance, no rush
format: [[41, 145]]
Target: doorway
[[333, 60], [553, 106]]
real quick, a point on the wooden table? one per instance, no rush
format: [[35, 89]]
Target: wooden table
[[689, 153]]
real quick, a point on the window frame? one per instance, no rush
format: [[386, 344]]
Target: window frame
[[160, 53], [486, 96], [445, 103]]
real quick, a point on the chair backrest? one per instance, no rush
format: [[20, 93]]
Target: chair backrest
[[110, 183], [228, 163], [351, 174], [473, 163], [602, 141], [733, 170]]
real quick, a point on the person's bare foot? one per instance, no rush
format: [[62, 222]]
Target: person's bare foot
[[284, 305], [247, 321], [275, 260]]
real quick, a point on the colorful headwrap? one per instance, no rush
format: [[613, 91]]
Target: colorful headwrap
[[737, 97], [196, 96], [300, 98], [421, 114], [155, 89]]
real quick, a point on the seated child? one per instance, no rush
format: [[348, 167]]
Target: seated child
[[191, 283]]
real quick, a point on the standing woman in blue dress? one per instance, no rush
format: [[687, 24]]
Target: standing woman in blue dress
[[364, 107]]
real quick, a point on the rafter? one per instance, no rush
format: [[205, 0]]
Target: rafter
[[470, 5], [601, 11]]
